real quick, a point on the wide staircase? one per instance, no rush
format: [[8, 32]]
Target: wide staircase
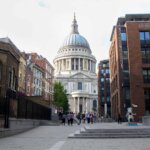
[[123, 132]]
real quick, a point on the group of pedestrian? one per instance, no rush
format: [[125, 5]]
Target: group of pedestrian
[[89, 117], [66, 118], [69, 118]]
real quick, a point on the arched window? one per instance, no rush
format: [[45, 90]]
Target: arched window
[[94, 105], [1, 67], [12, 78]]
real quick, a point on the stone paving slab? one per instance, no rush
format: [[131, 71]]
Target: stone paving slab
[[56, 138], [107, 144]]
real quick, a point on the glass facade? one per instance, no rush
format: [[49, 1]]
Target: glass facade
[[104, 88], [0, 71], [123, 36], [146, 75], [145, 55], [125, 71], [147, 100]]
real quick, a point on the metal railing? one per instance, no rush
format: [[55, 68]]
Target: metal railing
[[21, 107]]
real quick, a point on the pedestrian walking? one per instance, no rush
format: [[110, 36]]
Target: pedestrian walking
[[71, 118], [88, 117], [119, 119], [64, 119], [68, 118]]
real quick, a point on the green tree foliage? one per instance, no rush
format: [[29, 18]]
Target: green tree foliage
[[60, 97]]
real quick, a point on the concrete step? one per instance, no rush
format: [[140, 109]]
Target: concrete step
[[123, 133], [111, 136], [116, 131], [111, 133]]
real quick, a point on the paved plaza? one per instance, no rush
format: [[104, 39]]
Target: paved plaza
[[56, 138]]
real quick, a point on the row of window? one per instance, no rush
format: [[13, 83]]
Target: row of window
[[37, 92], [65, 50], [147, 99], [37, 73], [106, 79], [144, 36], [76, 64], [107, 99], [37, 82], [105, 71], [1, 71], [146, 75]]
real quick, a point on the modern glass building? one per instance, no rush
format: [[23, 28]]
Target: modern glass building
[[104, 89], [130, 66]]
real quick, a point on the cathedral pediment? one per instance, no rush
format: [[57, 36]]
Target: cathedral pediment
[[80, 75]]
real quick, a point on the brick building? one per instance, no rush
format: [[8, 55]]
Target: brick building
[[130, 65], [42, 84], [104, 103], [22, 74], [9, 66]]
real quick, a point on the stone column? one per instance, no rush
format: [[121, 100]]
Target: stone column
[[89, 103], [90, 65], [84, 104], [70, 64], [74, 104], [74, 64], [79, 64], [78, 104], [83, 64], [63, 64], [56, 66], [59, 65]]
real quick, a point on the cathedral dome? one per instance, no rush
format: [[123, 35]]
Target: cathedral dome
[[74, 38]]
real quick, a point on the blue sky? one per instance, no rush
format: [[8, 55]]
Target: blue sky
[[42, 25]]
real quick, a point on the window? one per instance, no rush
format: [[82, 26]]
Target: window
[[145, 37], [102, 79], [108, 99], [107, 80], [123, 37], [142, 36], [103, 99], [107, 71], [81, 63], [125, 54], [72, 63], [146, 75], [79, 85], [127, 93], [147, 99], [94, 104], [125, 64], [104, 65], [145, 52], [88, 64], [102, 71], [0, 71], [77, 63]]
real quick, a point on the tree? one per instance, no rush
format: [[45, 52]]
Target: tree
[[60, 97]]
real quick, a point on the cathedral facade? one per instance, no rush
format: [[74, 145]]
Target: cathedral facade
[[75, 68]]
